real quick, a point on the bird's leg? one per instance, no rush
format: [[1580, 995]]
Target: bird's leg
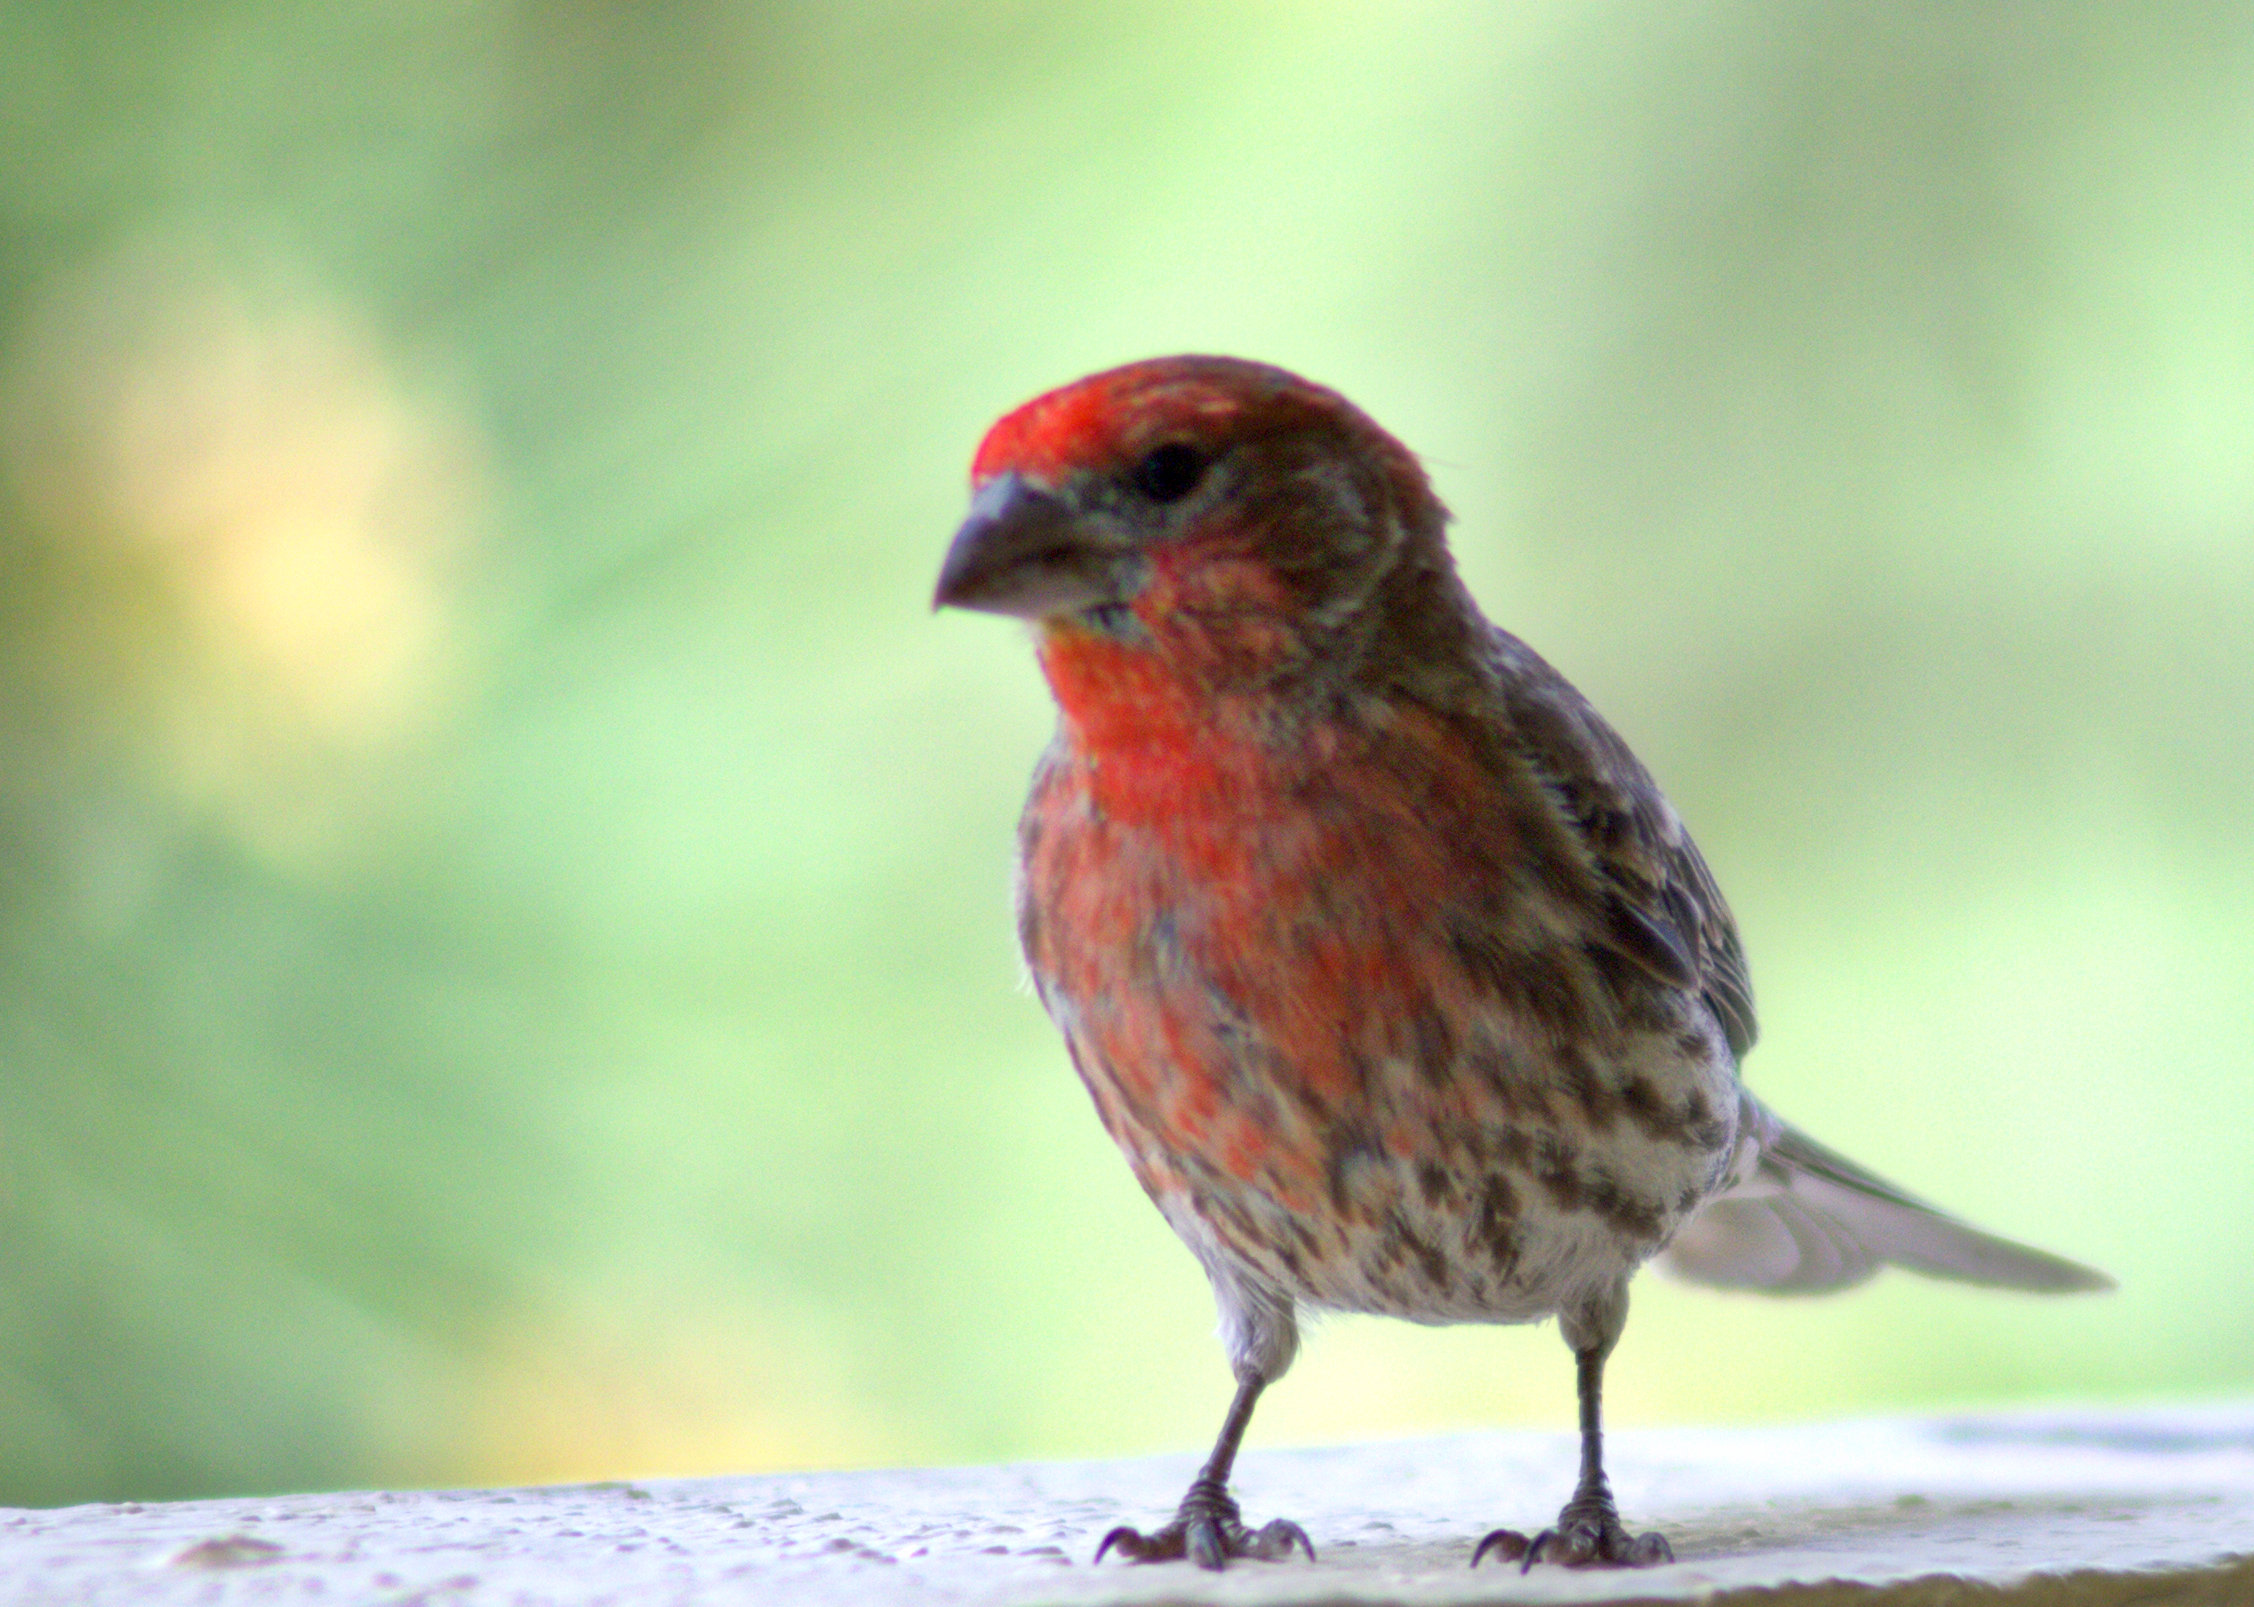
[[1207, 1527], [1589, 1532]]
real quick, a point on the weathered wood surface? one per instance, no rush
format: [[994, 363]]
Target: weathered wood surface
[[2068, 1509]]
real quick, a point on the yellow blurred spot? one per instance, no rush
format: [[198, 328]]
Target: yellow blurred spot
[[567, 1397], [248, 537]]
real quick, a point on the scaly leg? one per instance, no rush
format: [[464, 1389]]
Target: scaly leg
[[1207, 1527], [1589, 1532]]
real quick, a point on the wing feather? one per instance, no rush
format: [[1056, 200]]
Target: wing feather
[[1802, 1217], [1799, 1216], [1667, 916]]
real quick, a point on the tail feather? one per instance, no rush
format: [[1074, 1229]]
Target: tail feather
[[1802, 1218]]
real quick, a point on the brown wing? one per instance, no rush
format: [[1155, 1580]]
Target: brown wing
[[1667, 916], [1803, 1218]]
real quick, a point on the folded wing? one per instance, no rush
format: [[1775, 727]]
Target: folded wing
[[1802, 1218]]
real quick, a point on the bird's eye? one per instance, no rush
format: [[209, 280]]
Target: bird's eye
[[1169, 473]]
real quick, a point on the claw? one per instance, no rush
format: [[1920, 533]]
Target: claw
[[1205, 1545], [1207, 1531], [1507, 1544], [1550, 1546], [1590, 1538], [1649, 1550], [1277, 1536]]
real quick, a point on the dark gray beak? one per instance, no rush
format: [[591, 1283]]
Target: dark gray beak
[[1023, 553]]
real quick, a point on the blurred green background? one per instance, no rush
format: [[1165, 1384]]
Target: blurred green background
[[505, 964]]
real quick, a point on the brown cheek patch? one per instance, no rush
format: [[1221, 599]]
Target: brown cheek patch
[[1222, 618], [1193, 579]]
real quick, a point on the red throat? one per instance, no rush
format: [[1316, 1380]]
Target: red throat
[[1155, 739]]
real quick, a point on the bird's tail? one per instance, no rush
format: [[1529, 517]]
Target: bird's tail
[[1802, 1218]]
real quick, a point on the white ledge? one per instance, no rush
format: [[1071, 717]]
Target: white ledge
[[2085, 1507]]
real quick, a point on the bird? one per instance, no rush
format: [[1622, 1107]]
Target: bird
[[1387, 965]]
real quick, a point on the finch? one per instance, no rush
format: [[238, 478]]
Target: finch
[[1388, 967]]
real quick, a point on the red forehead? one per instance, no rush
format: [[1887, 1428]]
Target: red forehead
[[1109, 417]]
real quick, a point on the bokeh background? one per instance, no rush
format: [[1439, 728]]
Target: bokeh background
[[505, 965]]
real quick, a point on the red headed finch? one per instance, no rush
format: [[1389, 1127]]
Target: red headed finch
[[1386, 963]]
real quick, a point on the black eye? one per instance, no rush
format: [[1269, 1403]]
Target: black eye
[[1170, 473]]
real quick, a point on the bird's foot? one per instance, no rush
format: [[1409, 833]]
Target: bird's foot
[[1589, 1534], [1208, 1529]]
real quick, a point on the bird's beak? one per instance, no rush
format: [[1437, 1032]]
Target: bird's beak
[[1022, 552]]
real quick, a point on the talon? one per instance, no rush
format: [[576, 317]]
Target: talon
[[1275, 1539], [1574, 1546], [1649, 1550], [1132, 1544], [1507, 1544], [1207, 1546], [1207, 1531], [1582, 1539], [1542, 1548]]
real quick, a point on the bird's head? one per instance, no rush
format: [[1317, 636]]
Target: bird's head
[[1230, 520]]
